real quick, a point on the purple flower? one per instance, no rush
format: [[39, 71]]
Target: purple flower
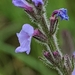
[[38, 2], [73, 73], [62, 13], [22, 4], [24, 38]]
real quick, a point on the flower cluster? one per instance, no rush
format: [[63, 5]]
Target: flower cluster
[[45, 33], [27, 31]]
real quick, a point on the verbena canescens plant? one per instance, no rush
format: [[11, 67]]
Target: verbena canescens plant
[[45, 34]]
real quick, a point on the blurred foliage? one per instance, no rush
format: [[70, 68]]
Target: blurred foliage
[[11, 21]]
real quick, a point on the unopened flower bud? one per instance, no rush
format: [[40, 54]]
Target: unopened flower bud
[[53, 24], [39, 35], [47, 54], [48, 57], [56, 53], [57, 56]]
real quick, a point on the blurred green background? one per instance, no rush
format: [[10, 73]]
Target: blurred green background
[[11, 21]]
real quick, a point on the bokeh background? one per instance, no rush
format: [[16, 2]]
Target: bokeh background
[[11, 21]]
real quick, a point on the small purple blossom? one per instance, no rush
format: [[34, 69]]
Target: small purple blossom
[[38, 2], [62, 13], [73, 73], [22, 4], [24, 38]]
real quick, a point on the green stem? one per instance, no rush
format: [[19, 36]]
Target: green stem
[[44, 26], [54, 39]]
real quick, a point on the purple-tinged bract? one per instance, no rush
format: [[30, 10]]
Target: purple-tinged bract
[[62, 13], [38, 2], [22, 4], [24, 38]]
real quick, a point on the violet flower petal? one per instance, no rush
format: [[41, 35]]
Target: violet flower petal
[[23, 4], [19, 3], [37, 2], [24, 47], [24, 38], [62, 13]]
